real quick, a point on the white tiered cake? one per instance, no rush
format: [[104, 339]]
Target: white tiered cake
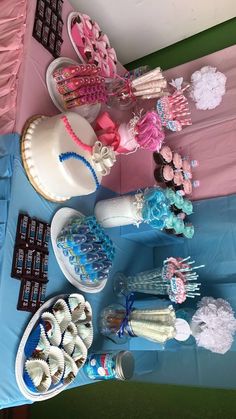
[[57, 156]]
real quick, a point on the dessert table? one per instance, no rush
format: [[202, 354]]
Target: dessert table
[[17, 195], [214, 150]]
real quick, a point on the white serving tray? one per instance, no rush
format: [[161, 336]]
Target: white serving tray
[[89, 112], [59, 221]]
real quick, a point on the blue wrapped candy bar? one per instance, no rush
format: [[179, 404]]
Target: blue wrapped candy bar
[[88, 248]]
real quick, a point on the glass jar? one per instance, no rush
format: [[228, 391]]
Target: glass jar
[[108, 366], [111, 319]]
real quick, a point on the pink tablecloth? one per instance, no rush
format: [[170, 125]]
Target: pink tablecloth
[[211, 139], [32, 93]]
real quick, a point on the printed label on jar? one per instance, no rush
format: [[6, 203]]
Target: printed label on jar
[[100, 367]]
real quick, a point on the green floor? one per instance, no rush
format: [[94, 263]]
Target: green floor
[[136, 400], [116, 400]]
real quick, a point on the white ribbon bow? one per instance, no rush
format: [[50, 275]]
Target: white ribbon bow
[[103, 158]]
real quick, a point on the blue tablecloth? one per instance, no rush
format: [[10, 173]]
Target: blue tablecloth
[[18, 195]]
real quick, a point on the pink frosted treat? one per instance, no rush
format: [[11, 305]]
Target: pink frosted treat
[[177, 179], [167, 173], [177, 161], [164, 174], [187, 187], [164, 156]]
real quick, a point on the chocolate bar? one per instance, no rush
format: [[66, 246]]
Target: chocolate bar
[[57, 51], [31, 232], [46, 236], [51, 42], [45, 34], [18, 262], [40, 8], [24, 296], [44, 266], [41, 294], [59, 27], [36, 265], [54, 22], [34, 291], [48, 15], [22, 228], [59, 7], [39, 234], [53, 4], [37, 32], [28, 263]]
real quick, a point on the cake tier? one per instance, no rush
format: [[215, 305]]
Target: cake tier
[[116, 212], [45, 141]]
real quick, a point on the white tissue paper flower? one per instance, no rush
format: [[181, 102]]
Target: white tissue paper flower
[[213, 325], [207, 87]]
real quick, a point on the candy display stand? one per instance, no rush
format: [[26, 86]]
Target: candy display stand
[[59, 221]]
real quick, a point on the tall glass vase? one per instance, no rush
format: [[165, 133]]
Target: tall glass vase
[[148, 282]]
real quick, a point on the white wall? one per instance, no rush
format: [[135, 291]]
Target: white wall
[[139, 27]]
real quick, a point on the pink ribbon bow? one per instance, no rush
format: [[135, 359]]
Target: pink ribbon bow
[[109, 134]]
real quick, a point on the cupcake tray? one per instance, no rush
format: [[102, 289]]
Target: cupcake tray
[[59, 221], [20, 357]]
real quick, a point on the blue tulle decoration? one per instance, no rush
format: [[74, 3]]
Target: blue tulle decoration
[[156, 208], [32, 341]]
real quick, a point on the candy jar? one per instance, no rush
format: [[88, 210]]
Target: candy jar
[[149, 282], [111, 320], [108, 366]]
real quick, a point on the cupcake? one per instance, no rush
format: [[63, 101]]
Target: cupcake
[[169, 223], [164, 156], [177, 161], [188, 231], [170, 195], [56, 364], [164, 174], [52, 328], [186, 166], [187, 207], [178, 226], [178, 203], [177, 180], [37, 375], [37, 345], [187, 187]]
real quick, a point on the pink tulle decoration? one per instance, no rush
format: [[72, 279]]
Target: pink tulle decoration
[[149, 133]]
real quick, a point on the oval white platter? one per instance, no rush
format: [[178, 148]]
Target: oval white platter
[[59, 221], [20, 357], [89, 112]]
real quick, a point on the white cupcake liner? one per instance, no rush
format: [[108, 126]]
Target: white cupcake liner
[[70, 370], [70, 334], [62, 313], [85, 332], [68, 340], [80, 352], [56, 364], [39, 373], [76, 304], [53, 332], [86, 316], [41, 351]]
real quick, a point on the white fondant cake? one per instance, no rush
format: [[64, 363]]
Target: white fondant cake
[[44, 141]]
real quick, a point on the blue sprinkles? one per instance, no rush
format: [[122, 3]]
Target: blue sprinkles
[[72, 155]]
